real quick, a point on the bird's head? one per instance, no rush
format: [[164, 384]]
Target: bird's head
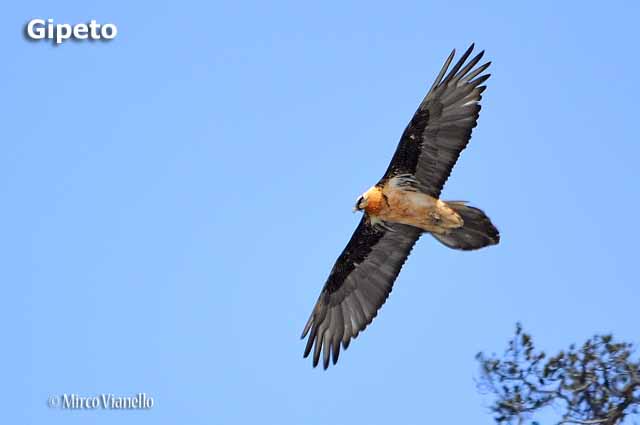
[[361, 203], [370, 201]]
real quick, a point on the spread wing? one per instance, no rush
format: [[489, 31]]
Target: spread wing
[[358, 285], [441, 127]]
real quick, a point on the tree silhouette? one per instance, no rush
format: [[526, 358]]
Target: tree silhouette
[[598, 383]]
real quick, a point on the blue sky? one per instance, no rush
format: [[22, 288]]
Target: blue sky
[[173, 201]]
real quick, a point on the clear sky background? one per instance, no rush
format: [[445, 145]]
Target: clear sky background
[[173, 200]]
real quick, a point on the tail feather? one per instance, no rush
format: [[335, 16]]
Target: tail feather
[[477, 231]]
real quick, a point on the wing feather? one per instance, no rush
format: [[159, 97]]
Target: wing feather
[[357, 287], [441, 127]]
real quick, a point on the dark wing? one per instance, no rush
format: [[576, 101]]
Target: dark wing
[[441, 127], [358, 285]]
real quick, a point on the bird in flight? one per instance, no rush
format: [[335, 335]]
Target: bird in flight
[[402, 206]]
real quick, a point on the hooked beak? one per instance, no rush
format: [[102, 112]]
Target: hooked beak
[[357, 207]]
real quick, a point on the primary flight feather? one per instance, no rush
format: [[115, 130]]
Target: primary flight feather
[[402, 206]]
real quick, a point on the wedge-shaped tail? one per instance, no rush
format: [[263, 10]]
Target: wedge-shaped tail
[[477, 231]]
